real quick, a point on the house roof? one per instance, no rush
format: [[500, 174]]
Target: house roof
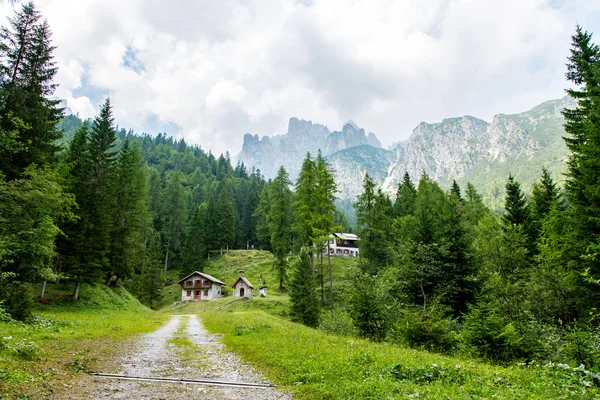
[[243, 278], [206, 276], [346, 236]]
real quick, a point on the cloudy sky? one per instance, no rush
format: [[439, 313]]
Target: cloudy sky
[[212, 70]]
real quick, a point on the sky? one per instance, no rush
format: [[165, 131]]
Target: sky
[[210, 71]]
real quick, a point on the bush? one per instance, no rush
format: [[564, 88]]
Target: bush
[[338, 322], [488, 335], [432, 330], [18, 302]]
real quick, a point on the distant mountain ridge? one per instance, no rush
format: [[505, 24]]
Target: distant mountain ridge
[[466, 148], [289, 149]]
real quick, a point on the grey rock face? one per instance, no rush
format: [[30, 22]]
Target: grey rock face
[[302, 137]]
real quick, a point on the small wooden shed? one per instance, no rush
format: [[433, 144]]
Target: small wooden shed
[[242, 287]]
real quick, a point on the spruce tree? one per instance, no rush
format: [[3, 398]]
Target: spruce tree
[[326, 212], [474, 208], [195, 250], [304, 306], [28, 109], [174, 218], [225, 220], [305, 207], [280, 222], [516, 211], [130, 218], [582, 125], [405, 197]]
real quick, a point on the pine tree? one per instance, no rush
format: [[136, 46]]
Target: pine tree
[[516, 211], [280, 222], [544, 195], [225, 220], [455, 190], [583, 177], [326, 212], [405, 197], [101, 202], [305, 207], [195, 250], [174, 218], [131, 217], [304, 304], [374, 212], [27, 107], [474, 208]]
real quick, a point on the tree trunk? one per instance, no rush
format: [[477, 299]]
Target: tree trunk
[[167, 255], [330, 277], [322, 283], [43, 290], [77, 287], [312, 265], [108, 278]]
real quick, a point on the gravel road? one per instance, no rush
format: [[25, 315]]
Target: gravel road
[[182, 348]]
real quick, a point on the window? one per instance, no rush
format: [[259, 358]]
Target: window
[[188, 283], [206, 292], [197, 293], [189, 293]]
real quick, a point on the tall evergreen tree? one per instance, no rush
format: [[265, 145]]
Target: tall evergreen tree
[[583, 177], [27, 107], [131, 218], [280, 222], [225, 220], [516, 211], [196, 248], [325, 221], [405, 197], [305, 207], [474, 208], [174, 218], [304, 304]]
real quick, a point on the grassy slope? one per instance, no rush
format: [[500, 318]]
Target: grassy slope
[[68, 338], [316, 365], [258, 267]]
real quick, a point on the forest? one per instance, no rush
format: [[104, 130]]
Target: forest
[[87, 202]]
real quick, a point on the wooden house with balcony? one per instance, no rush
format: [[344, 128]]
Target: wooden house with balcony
[[199, 286], [343, 244]]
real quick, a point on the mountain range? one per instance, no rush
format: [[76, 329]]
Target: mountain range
[[466, 149]]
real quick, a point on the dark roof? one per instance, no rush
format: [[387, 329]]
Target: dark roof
[[206, 276], [243, 278]]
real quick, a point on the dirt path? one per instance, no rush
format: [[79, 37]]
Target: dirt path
[[182, 348]]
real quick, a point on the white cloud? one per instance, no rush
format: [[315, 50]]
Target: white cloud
[[219, 69]]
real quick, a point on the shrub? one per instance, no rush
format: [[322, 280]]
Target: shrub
[[19, 301], [488, 335], [337, 322], [431, 330]]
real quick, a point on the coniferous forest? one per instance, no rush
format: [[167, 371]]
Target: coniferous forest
[[87, 202]]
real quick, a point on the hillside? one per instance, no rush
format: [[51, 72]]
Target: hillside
[[258, 268], [67, 338]]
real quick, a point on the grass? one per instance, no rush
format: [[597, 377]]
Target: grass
[[258, 267], [68, 338], [317, 365]]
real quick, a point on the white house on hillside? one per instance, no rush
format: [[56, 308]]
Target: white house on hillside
[[343, 244], [242, 287], [200, 286]]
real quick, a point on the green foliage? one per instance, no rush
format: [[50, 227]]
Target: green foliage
[[430, 329], [350, 368], [304, 305], [280, 216], [337, 322]]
